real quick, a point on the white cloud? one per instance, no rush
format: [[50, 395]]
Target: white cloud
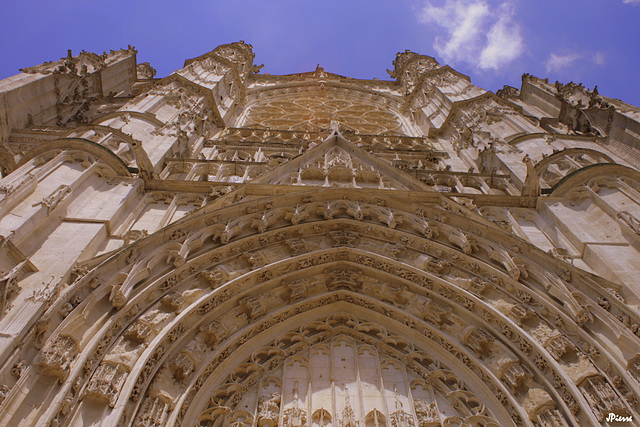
[[599, 57], [558, 62], [504, 42], [634, 2], [475, 33]]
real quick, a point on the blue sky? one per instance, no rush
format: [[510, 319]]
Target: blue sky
[[596, 42]]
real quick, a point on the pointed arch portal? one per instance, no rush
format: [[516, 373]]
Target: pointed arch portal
[[330, 308]]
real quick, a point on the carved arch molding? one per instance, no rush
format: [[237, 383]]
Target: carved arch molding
[[331, 309]]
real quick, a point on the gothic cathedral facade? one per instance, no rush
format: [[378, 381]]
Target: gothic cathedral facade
[[224, 248]]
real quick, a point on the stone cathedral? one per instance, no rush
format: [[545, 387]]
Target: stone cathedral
[[223, 248]]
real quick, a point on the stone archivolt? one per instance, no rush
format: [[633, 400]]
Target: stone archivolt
[[422, 295], [220, 249]]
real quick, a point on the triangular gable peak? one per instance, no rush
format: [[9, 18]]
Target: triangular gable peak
[[318, 73], [338, 163]]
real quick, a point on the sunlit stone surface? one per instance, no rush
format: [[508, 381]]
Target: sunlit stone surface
[[225, 248]]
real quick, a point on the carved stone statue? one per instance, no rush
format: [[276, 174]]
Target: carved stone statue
[[531, 187]]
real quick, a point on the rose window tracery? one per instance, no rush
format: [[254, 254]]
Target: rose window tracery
[[316, 110]]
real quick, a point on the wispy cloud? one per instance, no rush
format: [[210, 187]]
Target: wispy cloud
[[558, 62], [475, 33], [633, 2], [599, 57], [504, 42]]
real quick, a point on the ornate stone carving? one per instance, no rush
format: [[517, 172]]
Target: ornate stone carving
[[294, 417], [255, 306], [18, 369], [348, 415], [172, 302], [57, 355], [427, 413], [437, 266], [551, 417], [221, 329], [343, 279], [392, 294], [51, 201], [601, 397], [256, 259], [516, 377], [4, 392], [633, 365], [297, 246], [145, 71], [479, 340], [430, 311], [343, 238], [299, 289], [183, 365], [215, 277], [522, 314], [146, 326], [68, 307], [404, 273], [268, 410], [560, 347], [531, 187], [154, 412], [106, 382], [631, 221]]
